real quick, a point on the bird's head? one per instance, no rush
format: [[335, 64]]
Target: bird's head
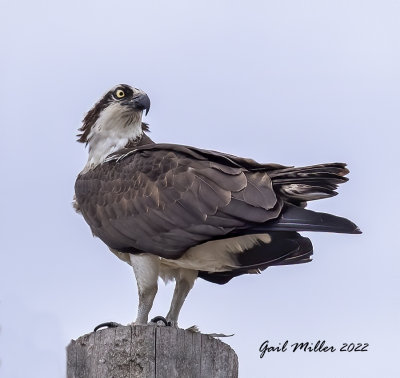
[[120, 108], [113, 122]]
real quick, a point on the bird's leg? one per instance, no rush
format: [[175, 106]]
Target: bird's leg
[[146, 268], [184, 282]]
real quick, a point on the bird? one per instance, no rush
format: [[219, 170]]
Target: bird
[[181, 213]]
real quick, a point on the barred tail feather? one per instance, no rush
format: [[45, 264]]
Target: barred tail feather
[[310, 183]]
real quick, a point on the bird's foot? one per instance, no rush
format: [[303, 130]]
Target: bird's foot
[[173, 323], [160, 320], [107, 325]]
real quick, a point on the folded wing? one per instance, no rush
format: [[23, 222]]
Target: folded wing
[[164, 200]]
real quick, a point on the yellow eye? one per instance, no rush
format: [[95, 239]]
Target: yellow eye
[[119, 93]]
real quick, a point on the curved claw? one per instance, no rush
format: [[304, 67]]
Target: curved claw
[[162, 319], [107, 325]]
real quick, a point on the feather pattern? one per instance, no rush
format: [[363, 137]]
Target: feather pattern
[[167, 198], [309, 183]]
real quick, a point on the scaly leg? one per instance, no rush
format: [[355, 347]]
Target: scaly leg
[[146, 268], [184, 282]]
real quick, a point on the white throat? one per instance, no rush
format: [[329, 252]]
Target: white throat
[[112, 131]]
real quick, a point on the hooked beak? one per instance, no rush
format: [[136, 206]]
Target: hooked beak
[[141, 102]]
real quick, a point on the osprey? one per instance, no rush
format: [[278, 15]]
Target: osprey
[[181, 212]]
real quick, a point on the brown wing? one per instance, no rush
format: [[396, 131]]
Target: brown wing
[[164, 200]]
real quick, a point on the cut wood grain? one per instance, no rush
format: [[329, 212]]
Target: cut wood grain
[[149, 351]]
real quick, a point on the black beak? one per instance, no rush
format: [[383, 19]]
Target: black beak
[[141, 102]]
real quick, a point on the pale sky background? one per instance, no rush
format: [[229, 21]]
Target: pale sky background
[[292, 82]]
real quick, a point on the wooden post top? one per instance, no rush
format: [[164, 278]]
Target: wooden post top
[[150, 351]]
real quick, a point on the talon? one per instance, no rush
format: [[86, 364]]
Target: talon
[[160, 319], [107, 325]]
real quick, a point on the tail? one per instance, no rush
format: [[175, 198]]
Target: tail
[[294, 218], [286, 247], [296, 186], [302, 184]]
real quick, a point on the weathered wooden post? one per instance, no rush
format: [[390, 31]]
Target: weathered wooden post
[[150, 351]]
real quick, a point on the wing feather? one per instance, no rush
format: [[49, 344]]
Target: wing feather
[[166, 200]]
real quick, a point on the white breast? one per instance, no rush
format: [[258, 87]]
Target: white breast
[[112, 131]]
